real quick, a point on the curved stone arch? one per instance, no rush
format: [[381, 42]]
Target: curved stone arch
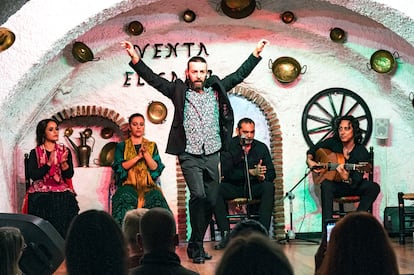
[[276, 154], [92, 110]]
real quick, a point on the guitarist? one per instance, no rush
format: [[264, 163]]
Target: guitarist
[[347, 142]]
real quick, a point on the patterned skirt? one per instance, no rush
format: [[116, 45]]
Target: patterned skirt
[[58, 208], [126, 198]]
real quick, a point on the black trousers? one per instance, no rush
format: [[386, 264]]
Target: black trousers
[[366, 190], [228, 191], [201, 173]]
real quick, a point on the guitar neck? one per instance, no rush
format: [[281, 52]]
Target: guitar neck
[[347, 166]]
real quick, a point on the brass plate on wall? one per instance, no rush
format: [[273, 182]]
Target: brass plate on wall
[[157, 112], [107, 155]]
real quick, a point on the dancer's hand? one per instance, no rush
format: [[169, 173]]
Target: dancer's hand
[[131, 51]]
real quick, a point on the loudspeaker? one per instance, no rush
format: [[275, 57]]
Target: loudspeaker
[[45, 246], [392, 220], [381, 128]]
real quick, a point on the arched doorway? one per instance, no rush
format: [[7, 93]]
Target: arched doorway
[[276, 153]]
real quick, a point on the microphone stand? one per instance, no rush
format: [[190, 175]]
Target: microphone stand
[[290, 234], [248, 185], [246, 164]]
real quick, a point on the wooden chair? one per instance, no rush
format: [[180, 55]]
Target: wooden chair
[[238, 209], [405, 216], [241, 209], [354, 199]]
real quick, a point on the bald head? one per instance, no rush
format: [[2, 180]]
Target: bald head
[[158, 231]]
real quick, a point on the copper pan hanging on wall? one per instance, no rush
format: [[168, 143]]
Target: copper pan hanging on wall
[[337, 35], [383, 61], [189, 16], [7, 38], [288, 17], [135, 28], [238, 9], [286, 69], [82, 53]]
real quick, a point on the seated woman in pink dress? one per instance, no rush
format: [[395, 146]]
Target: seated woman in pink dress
[[51, 196]]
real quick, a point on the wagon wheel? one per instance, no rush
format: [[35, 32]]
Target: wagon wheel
[[323, 109]]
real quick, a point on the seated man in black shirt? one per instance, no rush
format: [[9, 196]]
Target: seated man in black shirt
[[234, 183]]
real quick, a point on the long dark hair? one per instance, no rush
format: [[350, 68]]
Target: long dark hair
[[41, 129], [11, 246], [355, 126], [95, 245], [359, 245]]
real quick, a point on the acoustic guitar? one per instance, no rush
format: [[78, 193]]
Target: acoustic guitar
[[328, 161]]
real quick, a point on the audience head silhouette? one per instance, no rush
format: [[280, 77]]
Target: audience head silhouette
[[253, 253], [95, 245], [246, 227], [158, 231], [130, 228], [11, 248], [359, 245]]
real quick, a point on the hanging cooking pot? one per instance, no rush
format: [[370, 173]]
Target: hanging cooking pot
[[337, 35], [383, 61], [157, 112], [82, 53], [286, 69]]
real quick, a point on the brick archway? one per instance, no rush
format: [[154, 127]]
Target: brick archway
[[276, 153], [97, 111]]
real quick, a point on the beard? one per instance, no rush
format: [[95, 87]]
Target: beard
[[196, 85]]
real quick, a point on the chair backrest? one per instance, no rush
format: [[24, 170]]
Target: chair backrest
[[26, 171], [371, 160]]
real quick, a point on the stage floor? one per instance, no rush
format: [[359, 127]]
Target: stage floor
[[300, 253]]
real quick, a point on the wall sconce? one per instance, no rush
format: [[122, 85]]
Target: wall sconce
[[238, 9], [288, 17], [7, 38], [82, 53], [189, 16], [135, 28], [338, 35]]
